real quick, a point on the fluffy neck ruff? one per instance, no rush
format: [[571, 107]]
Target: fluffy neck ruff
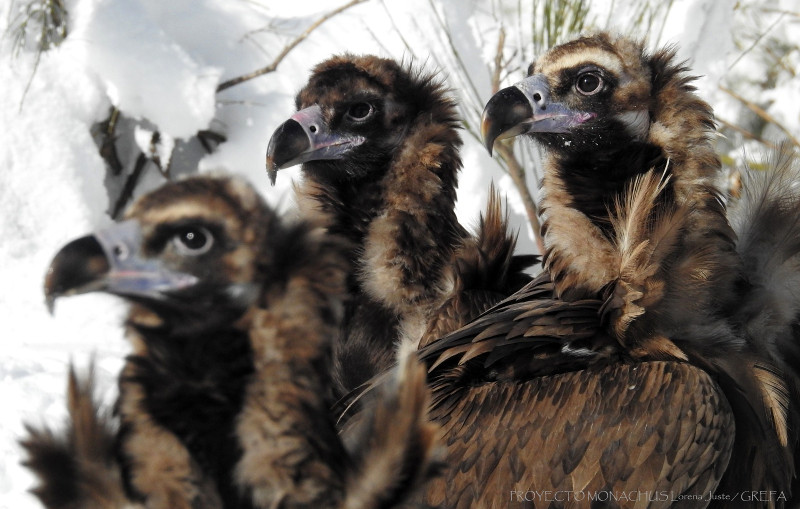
[[581, 188], [401, 220]]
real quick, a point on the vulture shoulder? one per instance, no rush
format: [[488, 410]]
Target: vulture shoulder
[[223, 402], [379, 146], [537, 401]]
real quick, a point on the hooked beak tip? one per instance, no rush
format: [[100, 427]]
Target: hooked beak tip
[[50, 302], [79, 267], [504, 116], [490, 147], [286, 147], [486, 133], [272, 170]]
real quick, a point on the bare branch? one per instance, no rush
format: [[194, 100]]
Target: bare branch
[[396, 30], [108, 147], [756, 42], [517, 173], [498, 60], [762, 114], [287, 49], [155, 141], [747, 134], [506, 153], [454, 50]]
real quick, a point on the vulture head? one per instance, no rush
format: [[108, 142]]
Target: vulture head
[[625, 136], [191, 253], [591, 94], [354, 115]]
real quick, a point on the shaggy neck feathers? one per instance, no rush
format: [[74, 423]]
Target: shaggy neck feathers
[[580, 188], [402, 221]]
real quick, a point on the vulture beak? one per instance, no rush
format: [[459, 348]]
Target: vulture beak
[[526, 107], [109, 261], [306, 137]]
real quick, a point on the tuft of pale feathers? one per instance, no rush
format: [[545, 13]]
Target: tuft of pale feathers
[[776, 399], [77, 467], [647, 234], [645, 237]]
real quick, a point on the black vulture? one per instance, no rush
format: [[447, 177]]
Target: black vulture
[[616, 377], [379, 146], [224, 401]]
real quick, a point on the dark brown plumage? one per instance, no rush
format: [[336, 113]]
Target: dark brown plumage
[[77, 467], [619, 367], [379, 146], [485, 271], [223, 401], [535, 396]]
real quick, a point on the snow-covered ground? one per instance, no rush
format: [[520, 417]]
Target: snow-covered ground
[[160, 63]]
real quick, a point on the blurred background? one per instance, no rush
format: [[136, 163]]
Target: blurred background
[[103, 100]]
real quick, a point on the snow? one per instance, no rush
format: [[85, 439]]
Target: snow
[[178, 91], [160, 64], [51, 191]]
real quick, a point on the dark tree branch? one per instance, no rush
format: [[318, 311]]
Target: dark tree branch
[[130, 185], [517, 172], [108, 147]]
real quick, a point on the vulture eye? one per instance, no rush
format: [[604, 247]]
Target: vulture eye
[[359, 111], [589, 83], [193, 240]]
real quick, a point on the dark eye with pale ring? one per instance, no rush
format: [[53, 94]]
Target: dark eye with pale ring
[[193, 240], [359, 111], [589, 83]]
